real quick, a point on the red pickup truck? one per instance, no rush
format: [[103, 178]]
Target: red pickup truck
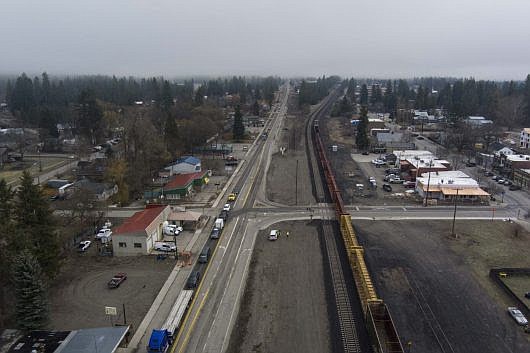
[[116, 280]]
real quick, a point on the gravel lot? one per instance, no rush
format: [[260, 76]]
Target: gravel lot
[[80, 294], [281, 178], [284, 307], [437, 288]]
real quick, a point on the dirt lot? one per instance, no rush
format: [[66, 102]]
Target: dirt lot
[[436, 285], [282, 171], [80, 294], [284, 306]]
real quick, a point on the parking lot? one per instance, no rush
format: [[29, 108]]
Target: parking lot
[[79, 294]]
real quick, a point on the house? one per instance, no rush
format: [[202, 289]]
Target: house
[[444, 186], [138, 234], [94, 169], [179, 187], [100, 191], [185, 165], [477, 121], [524, 141]]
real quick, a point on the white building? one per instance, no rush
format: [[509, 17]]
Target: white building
[[185, 165], [524, 141], [478, 121], [138, 234], [445, 185]]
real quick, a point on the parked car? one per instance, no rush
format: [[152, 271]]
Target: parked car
[[390, 176], [172, 229], [83, 245], [226, 207], [409, 184], [514, 187], [488, 173], [215, 233], [494, 177], [274, 234], [500, 181], [387, 187], [193, 280], [103, 233], [527, 295], [507, 183], [165, 247], [377, 162], [392, 171], [397, 180], [365, 153], [420, 138], [116, 280], [517, 315]]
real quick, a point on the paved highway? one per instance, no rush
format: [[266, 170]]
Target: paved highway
[[215, 309]]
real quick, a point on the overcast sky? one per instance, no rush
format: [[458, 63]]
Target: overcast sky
[[385, 38]]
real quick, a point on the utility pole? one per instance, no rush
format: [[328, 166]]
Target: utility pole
[[454, 215], [296, 184]]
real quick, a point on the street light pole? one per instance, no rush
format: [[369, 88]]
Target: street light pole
[[454, 215]]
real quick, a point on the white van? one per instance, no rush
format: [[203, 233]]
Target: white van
[[274, 234]]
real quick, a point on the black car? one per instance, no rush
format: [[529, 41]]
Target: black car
[[193, 280], [215, 233], [365, 153], [514, 187], [527, 295], [387, 187], [223, 215]]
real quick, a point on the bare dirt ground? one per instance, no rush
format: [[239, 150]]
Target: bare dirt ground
[[438, 288], [80, 294], [281, 179], [284, 306]]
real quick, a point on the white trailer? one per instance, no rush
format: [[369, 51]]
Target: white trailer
[[174, 319]]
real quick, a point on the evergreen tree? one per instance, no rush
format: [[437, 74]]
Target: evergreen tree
[[239, 128], [255, 108], [526, 101], [89, 114], [34, 219], [166, 98], [30, 292], [403, 91], [6, 235], [46, 89], [350, 92], [22, 97], [361, 139], [389, 100], [364, 95]]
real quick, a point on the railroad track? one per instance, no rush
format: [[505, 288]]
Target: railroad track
[[346, 319], [347, 322], [432, 321]]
